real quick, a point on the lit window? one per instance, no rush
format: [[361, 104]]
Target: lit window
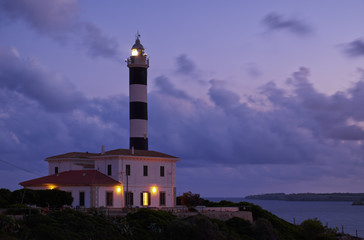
[[145, 199]]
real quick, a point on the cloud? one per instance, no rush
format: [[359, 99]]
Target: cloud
[[300, 138], [34, 81], [300, 126], [185, 65], [166, 87], [59, 19], [98, 44], [276, 22], [354, 48], [44, 16]]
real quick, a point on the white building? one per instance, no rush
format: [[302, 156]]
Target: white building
[[134, 177], [148, 176]]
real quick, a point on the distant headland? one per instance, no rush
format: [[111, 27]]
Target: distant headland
[[353, 197]]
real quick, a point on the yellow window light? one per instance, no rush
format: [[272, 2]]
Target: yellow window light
[[145, 199]]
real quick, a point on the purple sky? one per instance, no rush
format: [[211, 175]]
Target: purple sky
[[253, 96]]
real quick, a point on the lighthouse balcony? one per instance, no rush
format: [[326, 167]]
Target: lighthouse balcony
[[137, 62]]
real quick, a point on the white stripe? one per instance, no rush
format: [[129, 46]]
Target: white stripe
[[138, 93], [139, 128]]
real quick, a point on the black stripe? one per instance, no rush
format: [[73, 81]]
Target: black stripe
[[138, 75], [139, 143], [138, 110]]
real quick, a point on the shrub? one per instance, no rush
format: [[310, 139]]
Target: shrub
[[312, 229]]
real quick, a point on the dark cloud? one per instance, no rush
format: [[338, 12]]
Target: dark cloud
[[166, 87], [185, 65], [355, 48], [98, 44], [275, 22], [301, 135], [59, 19], [32, 80], [221, 96], [44, 16]]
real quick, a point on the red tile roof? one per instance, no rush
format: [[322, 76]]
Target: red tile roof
[[74, 155], [72, 178], [124, 152]]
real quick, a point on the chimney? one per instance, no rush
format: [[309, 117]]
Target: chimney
[[102, 149]]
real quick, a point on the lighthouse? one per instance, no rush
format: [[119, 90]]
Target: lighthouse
[[138, 64]]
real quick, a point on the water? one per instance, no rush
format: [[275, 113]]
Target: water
[[334, 214]]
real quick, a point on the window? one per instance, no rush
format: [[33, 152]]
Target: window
[[145, 199], [161, 171], [129, 199], [162, 198], [127, 170], [55, 170], [81, 199], [109, 170], [109, 200], [145, 170]]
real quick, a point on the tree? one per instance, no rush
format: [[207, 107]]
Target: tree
[[5, 197], [191, 200]]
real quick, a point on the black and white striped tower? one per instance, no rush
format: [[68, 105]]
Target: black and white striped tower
[[138, 64]]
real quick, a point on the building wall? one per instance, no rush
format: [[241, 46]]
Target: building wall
[[76, 194], [67, 165], [95, 196], [137, 182]]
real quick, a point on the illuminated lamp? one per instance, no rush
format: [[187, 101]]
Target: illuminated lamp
[[134, 52], [51, 186]]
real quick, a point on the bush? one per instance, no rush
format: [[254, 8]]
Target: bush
[[70, 224], [191, 200], [43, 198], [312, 229], [20, 209], [148, 224]]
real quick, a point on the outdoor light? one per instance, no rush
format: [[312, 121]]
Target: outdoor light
[[51, 186], [154, 189], [118, 189]]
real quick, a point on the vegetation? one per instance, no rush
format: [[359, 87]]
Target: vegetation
[[310, 196], [150, 224], [190, 199], [41, 198]]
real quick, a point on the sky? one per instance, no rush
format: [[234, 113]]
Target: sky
[[252, 96]]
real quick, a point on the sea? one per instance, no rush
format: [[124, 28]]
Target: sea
[[341, 215]]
